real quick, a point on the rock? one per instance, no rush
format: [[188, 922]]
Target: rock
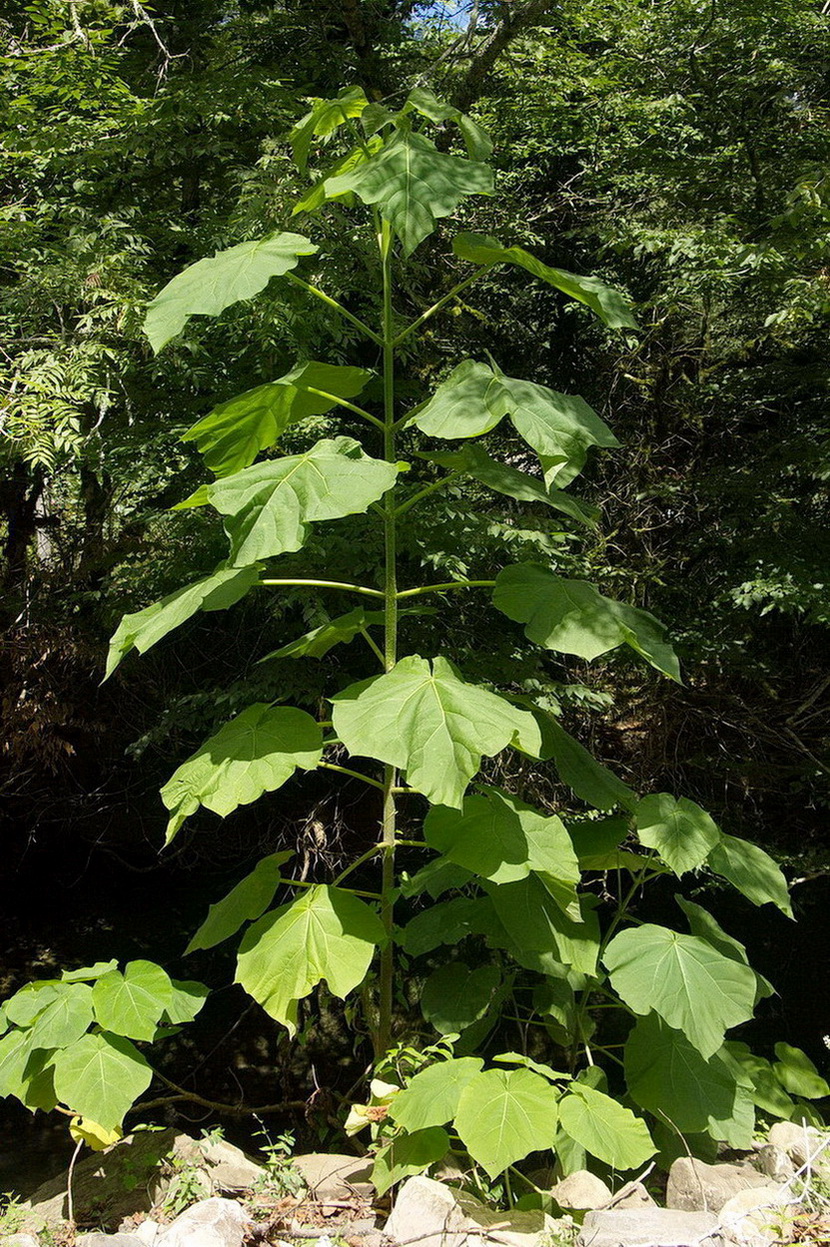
[[581, 1190], [799, 1142], [229, 1169], [98, 1239], [757, 1218], [438, 1216], [331, 1176], [632, 1195], [20, 1240], [695, 1186], [212, 1222], [108, 1186], [774, 1162], [148, 1232], [649, 1227]]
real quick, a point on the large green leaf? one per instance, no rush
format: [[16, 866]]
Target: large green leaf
[[681, 832], [100, 1077], [447, 923], [186, 1001], [473, 460], [408, 1154], [244, 903], [572, 617], [324, 934], [132, 1003], [691, 985], [66, 1017], [209, 286], [498, 837], [324, 117], [24, 1006], [270, 505], [319, 192], [603, 300], [15, 1054], [561, 428], [579, 769], [256, 752], [751, 871], [413, 184], [454, 996], [423, 101], [430, 723], [318, 642], [766, 1090], [703, 924], [667, 1075], [232, 435], [605, 1128], [505, 1114], [535, 922], [142, 629], [432, 1096], [796, 1072]]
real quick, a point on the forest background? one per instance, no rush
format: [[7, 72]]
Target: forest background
[[679, 150]]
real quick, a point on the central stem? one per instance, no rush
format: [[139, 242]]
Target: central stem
[[390, 587]]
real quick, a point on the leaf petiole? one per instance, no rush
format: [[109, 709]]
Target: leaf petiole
[[324, 584], [444, 588], [338, 307], [436, 307]]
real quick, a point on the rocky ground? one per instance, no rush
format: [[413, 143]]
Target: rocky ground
[[163, 1189]]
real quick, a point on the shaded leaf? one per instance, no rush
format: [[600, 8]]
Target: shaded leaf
[[186, 1001], [436, 878], [454, 996], [605, 1128], [142, 629], [269, 506], [431, 1097], [323, 118], [319, 641], [256, 752], [580, 770], [324, 934], [603, 300], [430, 723], [498, 837], [421, 100], [752, 872], [535, 922], [319, 192], [232, 435], [244, 903], [447, 923], [213, 284], [101, 1076], [684, 979], [681, 832], [503, 1115], [413, 184], [796, 1072], [572, 617], [767, 1091], [408, 1154]]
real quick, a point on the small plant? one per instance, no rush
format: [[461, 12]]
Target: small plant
[[189, 1183], [280, 1178], [12, 1215]]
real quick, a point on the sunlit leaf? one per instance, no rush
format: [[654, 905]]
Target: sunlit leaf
[[244, 903], [255, 753], [66, 1017], [580, 770], [431, 724], [751, 871], [326, 933], [213, 284], [232, 435], [681, 832], [431, 1097], [323, 118], [407, 1155], [605, 1128], [101, 1076], [603, 300], [132, 1003], [796, 1072], [503, 1115]]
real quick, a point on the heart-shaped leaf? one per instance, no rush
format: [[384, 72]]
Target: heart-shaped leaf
[[605, 1128], [413, 185], [536, 923], [132, 1003], [455, 996], [686, 981], [681, 832], [101, 1076], [255, 753], [431, 1097], [209, 286], [429, 722], [270, 505], [503, 1115], [244, 903], [324, 934], [572, 617]]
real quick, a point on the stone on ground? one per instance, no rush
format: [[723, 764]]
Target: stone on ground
[[773, 1162], [98, 1239], [214, 1222], [581, 1190], [649, 1227], [438, 1216], [20, 1240], [632, 1195], [757, 1218], [800, 1142], [331, 1176], [695, 1186]]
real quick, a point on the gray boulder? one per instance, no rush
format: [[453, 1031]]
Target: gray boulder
[[104, 1240], [581, 1190], [756, 1218], [214, 1222], [335, 1177], [695, 1186], [649, 1227], [429, 1214]]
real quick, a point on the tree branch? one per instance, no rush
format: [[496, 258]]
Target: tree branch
[[518, 18]]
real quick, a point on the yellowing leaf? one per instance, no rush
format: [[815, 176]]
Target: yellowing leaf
[[95, 1136]]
